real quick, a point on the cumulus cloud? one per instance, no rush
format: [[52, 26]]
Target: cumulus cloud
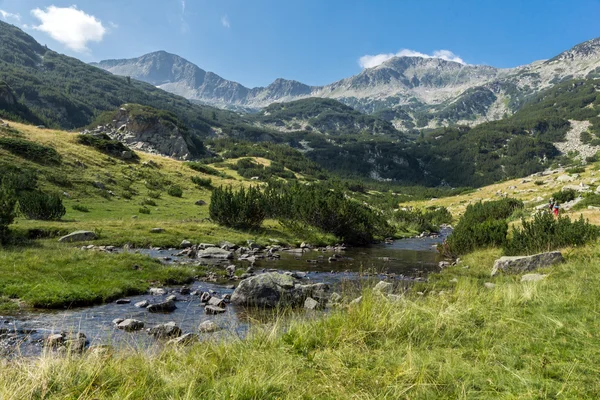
[[7, 16], [225, 21], [70, 26], [370, 61]]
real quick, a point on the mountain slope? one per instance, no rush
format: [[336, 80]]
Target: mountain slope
[[64, 92], [429, 92], [326, 116]]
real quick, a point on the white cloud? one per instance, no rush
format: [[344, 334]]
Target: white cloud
[[225, 21], [70, 26], [370, 61], [183, 23], [6, 15]]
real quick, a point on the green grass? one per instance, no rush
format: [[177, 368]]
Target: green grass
[[53, 276], [458, 340]]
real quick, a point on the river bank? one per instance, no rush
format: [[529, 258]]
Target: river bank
[[401, 262], [457, 338]]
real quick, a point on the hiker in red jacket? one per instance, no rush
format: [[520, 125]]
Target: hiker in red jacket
[[556, 209]]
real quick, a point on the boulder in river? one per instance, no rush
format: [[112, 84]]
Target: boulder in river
[[215, 252], [213, 310], [520, 264], [78, 236], [76, 342], [142, 304], [273, 289], [164, 331], [208, 326], [54, 340], [215, 301], [185, 339], [164, 307], [130, 325]]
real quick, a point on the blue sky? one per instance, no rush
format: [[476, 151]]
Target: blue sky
[[313, 41]]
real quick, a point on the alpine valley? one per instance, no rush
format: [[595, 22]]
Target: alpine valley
[[408, 121]]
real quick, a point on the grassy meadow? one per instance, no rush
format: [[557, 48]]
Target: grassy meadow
[[455, 339]]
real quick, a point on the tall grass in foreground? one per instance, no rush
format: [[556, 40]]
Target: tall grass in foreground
[[458, 340]]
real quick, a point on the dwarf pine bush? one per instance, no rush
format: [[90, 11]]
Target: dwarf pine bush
[[482, 225], [545, 233], [36, 204], [242, 209]]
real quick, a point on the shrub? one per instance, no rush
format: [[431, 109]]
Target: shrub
[[565, 195], [79, 207], [202, 182], [539, 183], [546, 233], [482, 225], [144, 210], [154, 194], [244, 209], [422, 220], [175, 191], [7, 211], [205, 169], [148, 202], [328, 210], [36, 204], [575, 170], [106, 145], [31, 151], [127, 195]]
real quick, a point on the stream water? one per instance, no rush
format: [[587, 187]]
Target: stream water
[[404, 261]]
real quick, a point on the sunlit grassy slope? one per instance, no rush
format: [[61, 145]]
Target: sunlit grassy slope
[[117, 219]]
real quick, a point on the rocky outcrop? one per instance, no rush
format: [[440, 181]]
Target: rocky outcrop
[[78, 236], [273, 289], [152, 131], [520, 264]]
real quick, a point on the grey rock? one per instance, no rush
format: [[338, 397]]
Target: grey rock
[[157, 291], [489, 285], [76, 342], [520, 264], [130, 325], [117, 321], [172, 298], [123, 301], [212, 310], [356, 301], [78, 236], [205, 297], [165, 331], [54, 340], [215, 301], [384, 287], [272, 289], [230, 270], [185, 244], [164, 307], [142, 304], [157, 230], [335, 297], [312, 304], [215, 252], [208, 327], [533, 277], [184, 340], [200, 203]]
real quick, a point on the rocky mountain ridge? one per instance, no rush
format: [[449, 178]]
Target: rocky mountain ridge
[[421, 92]]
